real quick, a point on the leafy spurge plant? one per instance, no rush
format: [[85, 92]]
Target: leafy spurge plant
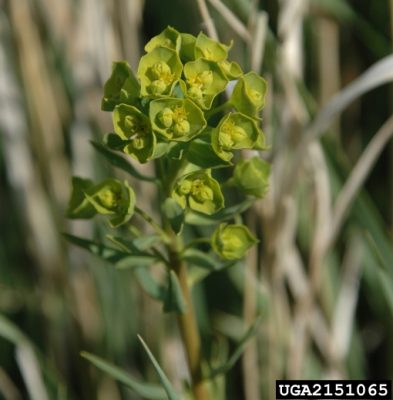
[[176, 114]]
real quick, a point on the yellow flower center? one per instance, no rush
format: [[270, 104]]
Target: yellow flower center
[[138, 143], [201, 192], [256, 96], [162, 77], [231, 134], [109, 198], [199, 83]]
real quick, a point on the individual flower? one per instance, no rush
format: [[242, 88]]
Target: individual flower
[[134, 128], [158, 71], [235, 131], [210, 49], [169, 38], [121, 87], [231, 242], [252, 176], [110, 197], [249, 93], [176, 119], [200, 192], [205, 80]]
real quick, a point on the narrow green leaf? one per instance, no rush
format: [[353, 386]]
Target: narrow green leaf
[[170, 391], [223, 369], [174, 300], [120, 162], [139, 244], [149, 285], [120, 258], [200, 259], [174, 213], [133, 261], [146, 390], [225, 214]]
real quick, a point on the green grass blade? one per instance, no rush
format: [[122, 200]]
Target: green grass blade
[[170, 391], [145, 390]]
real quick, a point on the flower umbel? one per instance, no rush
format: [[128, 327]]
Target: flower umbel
[[176, 119], [200, 192]]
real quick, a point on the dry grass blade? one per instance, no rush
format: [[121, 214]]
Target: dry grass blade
[[232, 20], [207, 20], [344, 313], [257, 45], [31, 372], [378, 74], [359, 175]]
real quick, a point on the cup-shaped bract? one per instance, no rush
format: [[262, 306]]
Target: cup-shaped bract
[[231, 69], [176, 119], [249, 93], [169, 38], [79, 207], [205, 80], [252, 176], [199, 192], [132, 126], [210, 49], [110, 197], [187, 48], [121, 87], [158, 71], [232, 241], [235, 131]]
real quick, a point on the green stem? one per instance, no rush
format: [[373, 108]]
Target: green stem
[[188, 325]]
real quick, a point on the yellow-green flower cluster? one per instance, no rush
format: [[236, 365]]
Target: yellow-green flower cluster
[[176, 88], [177, 108]]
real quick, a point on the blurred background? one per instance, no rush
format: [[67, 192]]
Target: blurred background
[[322, 277]]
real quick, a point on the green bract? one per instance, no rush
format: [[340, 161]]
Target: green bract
[[110, 197], [132, 126], [205, 80], [200, 192], [252, 176], [187, 48], [249, 94], [231, 242], [169, 38], [158, 71], [176, 119], [235, 131], [231, 69], [210, 49], [121, 87]]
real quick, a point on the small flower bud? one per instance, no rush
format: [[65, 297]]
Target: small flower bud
[[185, 187], [166, 117], [182, 128], [158, 86], [160, 69], [195, 92]]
